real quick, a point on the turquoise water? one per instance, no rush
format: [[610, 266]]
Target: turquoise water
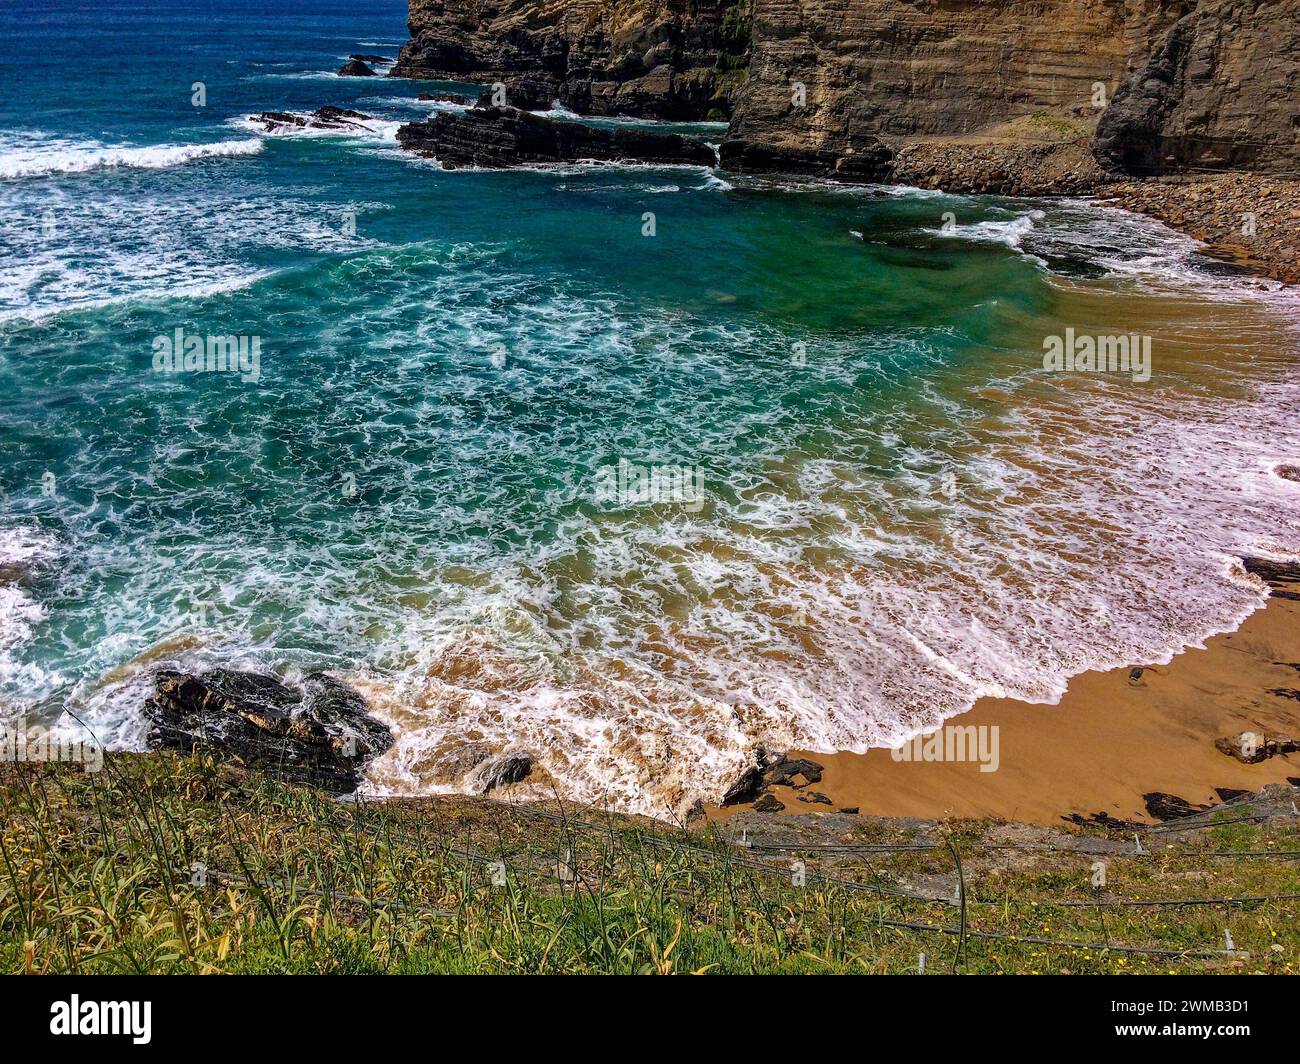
[[899, 510]]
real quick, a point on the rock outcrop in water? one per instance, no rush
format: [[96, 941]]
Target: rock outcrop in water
[[504, 137], [335, 118], [355, 68], [866, 159], [319, 734], [674, 59]]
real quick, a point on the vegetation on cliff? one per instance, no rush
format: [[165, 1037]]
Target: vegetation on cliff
[[162, 863]]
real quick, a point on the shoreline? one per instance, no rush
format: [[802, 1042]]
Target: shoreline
[[1250, 220], [1114, 738]]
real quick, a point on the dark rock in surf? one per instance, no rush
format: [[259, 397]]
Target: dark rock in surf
[[1273, 573], [514, 767], [322, 118], [452, 766], [693, 814], [363, 58], [444, 97], [500, 137], [318, 734], [356, 69], [745, 789]]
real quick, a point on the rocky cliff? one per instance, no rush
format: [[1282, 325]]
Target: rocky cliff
[[1220, 91], [987, 95], [675, 59], [907, 67]]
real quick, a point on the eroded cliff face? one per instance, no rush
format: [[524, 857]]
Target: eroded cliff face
[[986, 95], [1220, 91], [675, 59]]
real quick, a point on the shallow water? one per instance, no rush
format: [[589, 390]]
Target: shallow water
[[899, 510]]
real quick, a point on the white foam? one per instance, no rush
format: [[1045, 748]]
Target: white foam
[[52, 156], [21, 549], [1011, 232], [832, 596], [120, 246], [377, 129]]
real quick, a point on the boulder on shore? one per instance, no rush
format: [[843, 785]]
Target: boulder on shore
[[498, 137], [1163, 806], [318, 734]]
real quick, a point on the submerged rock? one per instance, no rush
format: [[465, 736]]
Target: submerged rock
[[815, 798], [362, 57], [504, 137], [356, 69], [318, 734], [512, 768], [453, 765]]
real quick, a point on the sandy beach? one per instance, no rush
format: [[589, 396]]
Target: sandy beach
[[1112, 738]]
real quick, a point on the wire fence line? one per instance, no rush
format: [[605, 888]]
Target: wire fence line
[[737, 856]]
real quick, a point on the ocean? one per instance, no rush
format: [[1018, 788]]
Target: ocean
[[637, 468]]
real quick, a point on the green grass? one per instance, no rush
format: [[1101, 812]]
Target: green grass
[[95, 876]]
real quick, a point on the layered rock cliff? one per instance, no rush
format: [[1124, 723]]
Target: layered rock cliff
[[1220, 91], [674, 59], [987, 95]]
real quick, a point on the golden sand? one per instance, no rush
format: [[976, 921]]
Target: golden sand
[[1109, 741]]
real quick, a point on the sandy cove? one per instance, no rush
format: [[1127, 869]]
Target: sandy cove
[[1109, 741]]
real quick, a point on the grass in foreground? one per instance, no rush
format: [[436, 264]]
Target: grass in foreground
[[167, 864]]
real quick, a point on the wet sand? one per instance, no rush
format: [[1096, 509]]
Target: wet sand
[[1110, 740]]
